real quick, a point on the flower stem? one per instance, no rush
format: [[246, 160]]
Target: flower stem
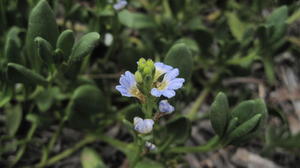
[[192, 114], [68, 152], [212, 144], [22, 149], [51, 144], [197, 104]]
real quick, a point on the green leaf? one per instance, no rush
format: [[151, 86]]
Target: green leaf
[[91, 159], [294, 17], [13, 34], [232, 125], [6, 94], [246, 60], [65, 42], [13, 46], [245, 128], [278, 16], [42, 23], [87, 107], [247, 109], [45, 99], [277, 22], [237, 27], [12, 51], [219, 113], [44, 50], [179, 56], [136, 20], [13, 119], [19, 74], [84, 47], [191, 44], [147, 163]]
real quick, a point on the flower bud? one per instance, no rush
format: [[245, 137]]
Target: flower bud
[[141, 64], [147, 70], [143, 126], [138, 77], [150, 146], [165, 107]]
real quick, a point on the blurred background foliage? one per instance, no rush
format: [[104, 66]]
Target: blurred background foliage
[[63, 84]]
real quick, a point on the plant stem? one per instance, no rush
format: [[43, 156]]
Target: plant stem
[[68, 152], [269, 69], [22, 149], [192, 114], [196, 105], [51, 144], [122, 146], [212, 144]]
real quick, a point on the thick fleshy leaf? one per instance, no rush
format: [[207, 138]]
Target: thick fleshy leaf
[[13, 119], [237, 27], [12, 51], [19, 74], [6, 93], [247, 109], [13, 46], [232, 125], [135, 20], [44, 50], [42, 23], [179, 56], [191, 44], [45, 98], [245, 128], [65, 42], [86, 104], [219, 114], [84, 47], [279, 15], [91, 159], [277, 23]]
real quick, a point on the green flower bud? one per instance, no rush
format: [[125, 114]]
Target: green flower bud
[[147, 70], [150, 63], [138, 77], [141, 64]]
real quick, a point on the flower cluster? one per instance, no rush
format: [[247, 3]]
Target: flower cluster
[[150, 82]]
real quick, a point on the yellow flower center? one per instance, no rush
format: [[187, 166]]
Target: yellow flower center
[[161, 85], [136, 93]]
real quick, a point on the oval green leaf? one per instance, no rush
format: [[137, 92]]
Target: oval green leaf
[[219, 113], [179, 56], [91, 159], [84, 47], [19, 74]]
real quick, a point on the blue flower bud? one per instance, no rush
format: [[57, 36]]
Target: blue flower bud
[[120, 4], [150, 146], [165, 107], [143, 126]]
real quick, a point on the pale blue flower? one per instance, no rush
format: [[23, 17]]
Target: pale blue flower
[[143, 126], [120, 4], [160, 69], [165, 107], [150, 146], [128, 86], [168, 85]]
